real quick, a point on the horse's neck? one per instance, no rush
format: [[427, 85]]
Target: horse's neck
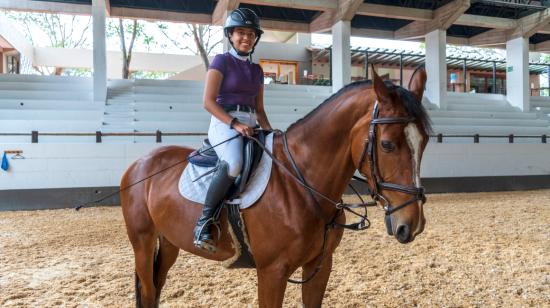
[[322, 145]]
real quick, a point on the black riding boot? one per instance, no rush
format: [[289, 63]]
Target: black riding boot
[[221, 182]]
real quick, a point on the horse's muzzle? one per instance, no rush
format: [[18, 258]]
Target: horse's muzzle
[[403, 234]]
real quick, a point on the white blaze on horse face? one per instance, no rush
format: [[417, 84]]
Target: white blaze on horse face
[[414, 140]]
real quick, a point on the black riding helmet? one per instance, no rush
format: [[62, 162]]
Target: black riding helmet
[[244, 18]]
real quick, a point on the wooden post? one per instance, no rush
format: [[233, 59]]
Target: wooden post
[[159, 136], [34, 136], [366, 65], [494, 77], [401, 69], [464, 74]]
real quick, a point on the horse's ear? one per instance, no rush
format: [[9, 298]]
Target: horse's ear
[[417, 84], [380, 88]]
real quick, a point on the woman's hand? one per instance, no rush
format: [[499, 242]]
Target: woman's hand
[[243, 129]]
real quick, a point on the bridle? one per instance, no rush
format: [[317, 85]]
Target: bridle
[[377, 184]]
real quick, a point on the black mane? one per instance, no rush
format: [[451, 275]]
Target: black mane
[[414, 108]]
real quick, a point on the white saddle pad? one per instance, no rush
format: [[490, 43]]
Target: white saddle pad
[[196, 191]]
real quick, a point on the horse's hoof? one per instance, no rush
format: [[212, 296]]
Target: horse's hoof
[[206, 245]]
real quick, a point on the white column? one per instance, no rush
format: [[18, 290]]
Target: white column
[[341, 55], [436, 68], [100, 52], [517, 73]]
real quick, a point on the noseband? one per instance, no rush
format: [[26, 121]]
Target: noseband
[[378, 184]]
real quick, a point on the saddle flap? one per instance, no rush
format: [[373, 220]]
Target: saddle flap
[[252, 153], [205, 156]]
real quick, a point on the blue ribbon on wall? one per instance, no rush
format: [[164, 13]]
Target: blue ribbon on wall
[[5, 164]]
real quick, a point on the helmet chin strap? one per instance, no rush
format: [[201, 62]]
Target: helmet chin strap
[[244, 54]]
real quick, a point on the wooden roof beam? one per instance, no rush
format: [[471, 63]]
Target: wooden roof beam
[[108, 8], [154, 15], [530, 24], [444, 17], [527, 26], [46, 7], [316, 5], [345, 10], [541, 47], [372, 33], [391, 11], [221, 11], [285, 26], [489, 38]]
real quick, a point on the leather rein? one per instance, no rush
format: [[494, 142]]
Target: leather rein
[[376, 187]]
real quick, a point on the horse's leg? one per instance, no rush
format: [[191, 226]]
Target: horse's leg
[[166, 257], [144, 253], [314, 290], [272, 286]]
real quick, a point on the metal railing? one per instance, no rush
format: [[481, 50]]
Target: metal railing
[[158, 136], [99, 135], [511, 137]]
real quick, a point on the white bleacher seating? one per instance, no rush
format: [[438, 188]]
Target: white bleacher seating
[[64, 104], [48, 104], [486, 114]]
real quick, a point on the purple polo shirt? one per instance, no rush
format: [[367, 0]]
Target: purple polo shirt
[[242, 80]]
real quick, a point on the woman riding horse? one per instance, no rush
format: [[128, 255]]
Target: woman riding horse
[[378, 129], [233, 94]]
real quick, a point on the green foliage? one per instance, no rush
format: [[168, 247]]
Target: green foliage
[[151, 75], [62, 31]]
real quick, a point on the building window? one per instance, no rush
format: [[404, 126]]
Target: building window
[[284, 72], [13, 64]]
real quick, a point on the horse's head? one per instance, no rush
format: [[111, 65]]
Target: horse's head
[[387, 146]]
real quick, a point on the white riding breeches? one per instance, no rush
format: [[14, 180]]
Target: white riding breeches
[[231, 151]]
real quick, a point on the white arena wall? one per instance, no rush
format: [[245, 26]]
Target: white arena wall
[[66, 175], [52, 165]]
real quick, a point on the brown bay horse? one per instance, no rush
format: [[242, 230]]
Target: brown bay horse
[[379, 129]]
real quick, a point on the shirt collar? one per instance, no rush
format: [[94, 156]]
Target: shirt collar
[[233, 52]]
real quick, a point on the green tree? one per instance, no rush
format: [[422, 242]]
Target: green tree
[[205, 39], [60, 31], [128, 32]]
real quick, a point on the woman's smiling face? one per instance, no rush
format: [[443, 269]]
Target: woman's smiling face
[[243, 39]]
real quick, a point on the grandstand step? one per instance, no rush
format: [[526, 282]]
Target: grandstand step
[[460, 107], [541, 102], [49, 95], [489, 122], [47, 104], [53, 115], [544, 110], [482, 114], [45, 79], [489, 130], [46, 87], [65, 126]]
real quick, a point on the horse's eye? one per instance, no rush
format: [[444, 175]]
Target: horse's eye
[[387, 146]]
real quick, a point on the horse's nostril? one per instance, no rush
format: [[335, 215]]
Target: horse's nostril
[[403, 234]]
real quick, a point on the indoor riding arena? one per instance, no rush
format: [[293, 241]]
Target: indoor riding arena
[[67, 140]]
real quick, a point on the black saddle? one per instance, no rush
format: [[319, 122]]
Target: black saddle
[[252, 153]]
